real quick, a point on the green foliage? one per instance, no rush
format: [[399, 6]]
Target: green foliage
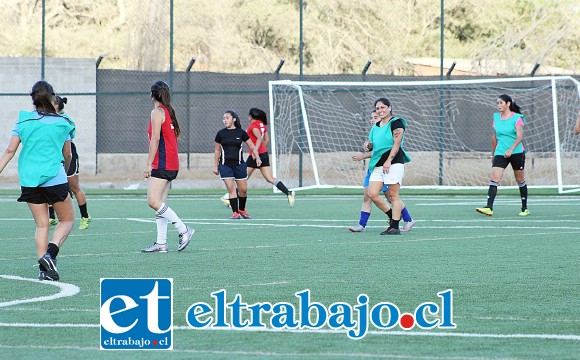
[[250, 36]]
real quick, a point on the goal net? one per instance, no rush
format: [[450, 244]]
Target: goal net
[[316, 128]]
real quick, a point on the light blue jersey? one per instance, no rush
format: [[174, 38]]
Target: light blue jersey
[[505, 133], [42, 137]]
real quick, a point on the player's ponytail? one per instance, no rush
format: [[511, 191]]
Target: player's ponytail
[[259, 114], [160, 92]]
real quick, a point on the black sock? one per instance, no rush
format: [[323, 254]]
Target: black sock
[[524, 195], [280, 185], [83, 209], [491, 194], [234, 204], [243, 200], [52, 250], [51, 212], [389, 214], [394, 223]]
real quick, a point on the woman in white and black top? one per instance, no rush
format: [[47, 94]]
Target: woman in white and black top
[[229, 162]]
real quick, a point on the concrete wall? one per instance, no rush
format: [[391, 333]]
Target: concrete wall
[[17, 75]]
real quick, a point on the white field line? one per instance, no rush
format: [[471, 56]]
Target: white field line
[[65, 291], [571, 337], [262, 354]]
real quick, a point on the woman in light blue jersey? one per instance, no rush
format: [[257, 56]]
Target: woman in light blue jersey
[[387, 161], [507, 148], [366, 208], [45, 138]]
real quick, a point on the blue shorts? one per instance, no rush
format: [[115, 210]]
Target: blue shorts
[[238, 172], [366, 182]]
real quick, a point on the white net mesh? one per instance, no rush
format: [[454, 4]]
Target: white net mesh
[[317, 127]]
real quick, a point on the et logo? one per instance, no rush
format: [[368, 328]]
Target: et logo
[[136, 314]]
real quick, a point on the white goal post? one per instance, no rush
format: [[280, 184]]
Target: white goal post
[[316, 127]]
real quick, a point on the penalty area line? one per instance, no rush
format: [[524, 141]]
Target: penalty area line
[[65, 291]]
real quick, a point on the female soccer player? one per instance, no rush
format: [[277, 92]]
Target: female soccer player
[[72, 175], [507, 148], [229, 163], [259, 135], [162, 167], [387, 161], [46, 144], [366, 208]]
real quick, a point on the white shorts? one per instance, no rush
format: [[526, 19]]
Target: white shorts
[[394, 176]]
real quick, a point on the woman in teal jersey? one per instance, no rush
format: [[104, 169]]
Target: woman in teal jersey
[[507, 148], [387, 161], [45, 138]]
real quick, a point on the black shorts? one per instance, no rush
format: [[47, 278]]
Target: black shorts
[[238, 171], [168, 175], [265, 161], [517, 161], [73, 169], [44, 195]]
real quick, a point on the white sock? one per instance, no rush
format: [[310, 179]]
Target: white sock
[[161, 229], [166, 212]]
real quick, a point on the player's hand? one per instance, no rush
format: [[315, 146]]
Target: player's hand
[[386, 166], [508, 153], [216, 172], [357, 157], [368, 146], [147, 172]]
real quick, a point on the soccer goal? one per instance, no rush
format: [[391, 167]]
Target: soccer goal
[[316, 127]]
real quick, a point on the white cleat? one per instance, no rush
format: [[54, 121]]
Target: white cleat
[[408, 225], [291, 198]]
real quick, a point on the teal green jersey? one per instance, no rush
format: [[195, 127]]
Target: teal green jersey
[[382, 139], [42, 137], [505, 132]]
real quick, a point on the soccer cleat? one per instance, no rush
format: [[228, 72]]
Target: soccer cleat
[[408, 225], [357, 228], [291, 198], [184, 238], [41, 275], [226, 200], [236, 216], [391, 231], [84, 223], [244, 214], [90, 218], [525, 212], [156, 248], [486, 211], [53, 221], [50, 265]]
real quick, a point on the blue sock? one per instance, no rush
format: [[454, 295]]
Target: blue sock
[[406, 216], [364, 218]]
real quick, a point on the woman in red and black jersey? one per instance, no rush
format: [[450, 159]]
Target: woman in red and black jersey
[[163, 166]]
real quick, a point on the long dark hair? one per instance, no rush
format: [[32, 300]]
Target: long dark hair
[[42, 95], [513, 106], [234, 114], [259, 114], [160, 92]]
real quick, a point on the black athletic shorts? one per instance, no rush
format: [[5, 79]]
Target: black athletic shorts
[[265, 161], [73, 169], [518, 161], [44, 195], [168, 175]]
